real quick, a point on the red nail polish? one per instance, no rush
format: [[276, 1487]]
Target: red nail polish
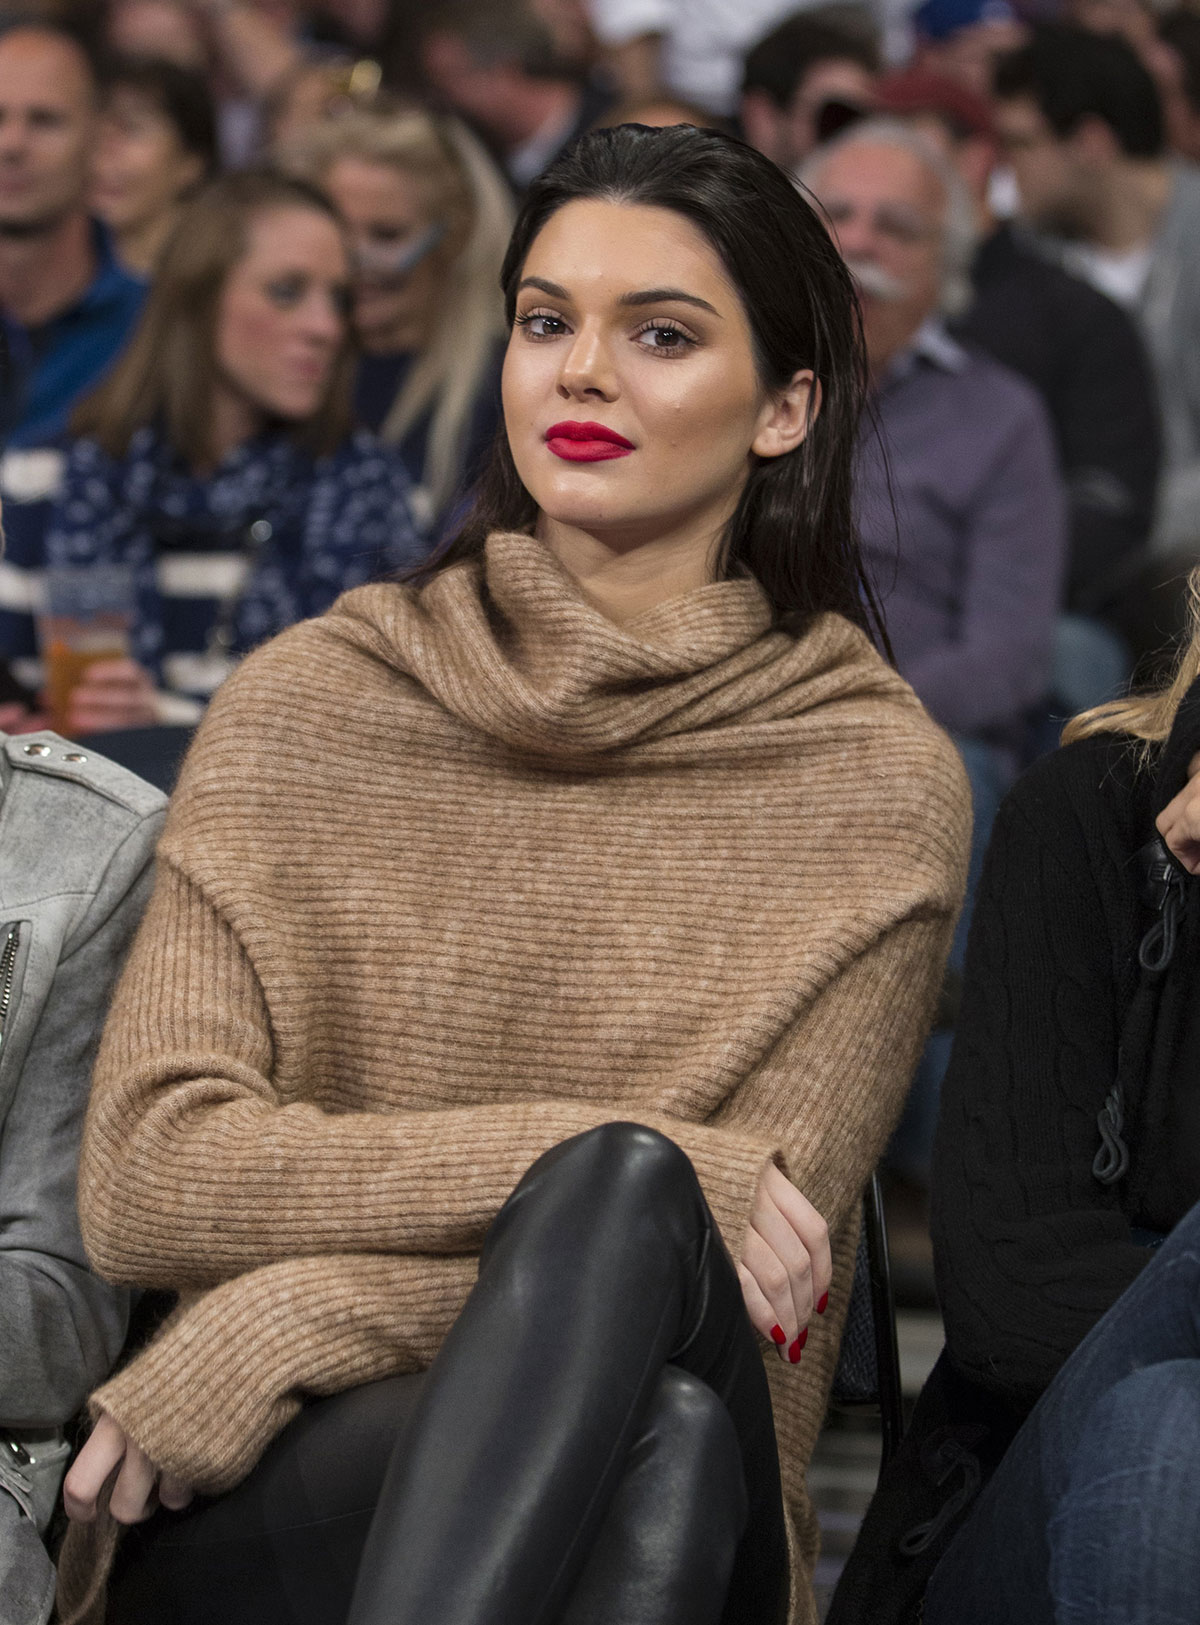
[[794, 1352], [802, 1339], [778, 1335], [821, 1307]]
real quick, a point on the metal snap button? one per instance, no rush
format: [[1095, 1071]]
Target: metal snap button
[[74, 756], [37, 750], [261, 530]]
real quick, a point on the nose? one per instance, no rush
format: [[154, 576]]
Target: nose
[[321, 318], [587, 367]]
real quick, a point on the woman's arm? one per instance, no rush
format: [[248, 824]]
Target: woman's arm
[[1030, 1248]]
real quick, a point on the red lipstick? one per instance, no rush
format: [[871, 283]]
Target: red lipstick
[[586, 442]]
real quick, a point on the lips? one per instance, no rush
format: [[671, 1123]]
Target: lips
[[586, 442]]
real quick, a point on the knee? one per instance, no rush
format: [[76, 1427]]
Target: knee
[[692, 1433], [621, 1159], [1151, 1419]]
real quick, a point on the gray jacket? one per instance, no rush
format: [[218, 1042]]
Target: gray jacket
[[77, 836]]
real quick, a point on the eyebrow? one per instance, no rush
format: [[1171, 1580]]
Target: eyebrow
[[646, 296]]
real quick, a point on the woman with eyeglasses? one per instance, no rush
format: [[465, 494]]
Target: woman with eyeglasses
[[218, 462], [429, 217]]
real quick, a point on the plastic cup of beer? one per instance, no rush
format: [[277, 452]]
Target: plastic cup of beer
[[87, 616]]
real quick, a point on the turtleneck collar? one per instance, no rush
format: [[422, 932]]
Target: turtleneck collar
[[509, 644]]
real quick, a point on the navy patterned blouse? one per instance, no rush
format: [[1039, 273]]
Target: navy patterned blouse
[[225, 561]]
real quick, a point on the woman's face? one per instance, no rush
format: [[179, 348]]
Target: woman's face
[[281, 319], [140, 169], [387, 214], [628, 325]]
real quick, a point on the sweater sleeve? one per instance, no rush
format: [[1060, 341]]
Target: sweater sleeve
[[195, 1170], [1030, 1249]]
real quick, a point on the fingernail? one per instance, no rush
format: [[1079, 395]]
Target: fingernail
[[821, 1307], [794, 1352], [802, 1339], [778, 1335]]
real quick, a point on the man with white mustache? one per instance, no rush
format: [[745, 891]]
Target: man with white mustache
[[960, 502]]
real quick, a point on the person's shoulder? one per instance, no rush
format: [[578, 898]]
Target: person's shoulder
[[47, 757], [1094, 791], [870, 718], [995, 390], [68, 813]]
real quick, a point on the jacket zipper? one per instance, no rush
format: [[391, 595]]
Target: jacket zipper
[[8, 972]]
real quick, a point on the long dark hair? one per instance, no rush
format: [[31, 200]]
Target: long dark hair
[[793, 528]]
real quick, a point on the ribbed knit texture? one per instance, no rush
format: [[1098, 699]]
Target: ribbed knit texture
[[454, 874]]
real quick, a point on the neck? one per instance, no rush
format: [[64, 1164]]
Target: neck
[[48, 271], [140, 245], [234, 421], [1131, 206], [624, 577]]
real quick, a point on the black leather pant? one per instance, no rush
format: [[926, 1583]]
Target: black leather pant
[[594, 1442]]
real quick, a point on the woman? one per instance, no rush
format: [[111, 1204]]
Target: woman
[[429, 218], [77, 840], [1068, 1149], [606, 860], [217, 460], [157, 145]]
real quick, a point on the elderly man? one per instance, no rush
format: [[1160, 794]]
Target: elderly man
[[971, 583], [960, 502]]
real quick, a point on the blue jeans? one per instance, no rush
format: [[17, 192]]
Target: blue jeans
[[1091, 1518]]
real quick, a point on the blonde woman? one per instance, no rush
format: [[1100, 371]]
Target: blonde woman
[[429, 218], [1066, 1218]]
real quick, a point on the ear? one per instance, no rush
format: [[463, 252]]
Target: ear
[[786, 419]]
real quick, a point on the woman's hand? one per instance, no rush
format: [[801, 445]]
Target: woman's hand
[[786, 1265], [1179, 821], [111, 694], [139, 1488]]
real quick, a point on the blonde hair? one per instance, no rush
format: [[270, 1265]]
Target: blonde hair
[[1148, 717], [470, 197]]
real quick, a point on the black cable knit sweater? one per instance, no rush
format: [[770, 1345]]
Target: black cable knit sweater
[[1031, 1248]]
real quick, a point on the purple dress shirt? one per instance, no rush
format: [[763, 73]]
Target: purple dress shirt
[[970, 567]]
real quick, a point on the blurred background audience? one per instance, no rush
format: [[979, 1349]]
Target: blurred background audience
[[157, 145], [218, 462], [429, 218]]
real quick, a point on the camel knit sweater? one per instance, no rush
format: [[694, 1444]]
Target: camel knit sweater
[[452, 874]]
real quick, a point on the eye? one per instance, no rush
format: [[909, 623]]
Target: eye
[[664, 338], [287, 291], [541, 324]]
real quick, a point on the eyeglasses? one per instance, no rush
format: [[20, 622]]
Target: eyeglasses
[[393, 262], [905, 227]]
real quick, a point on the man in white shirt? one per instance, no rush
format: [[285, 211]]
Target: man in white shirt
[[1081, 121]]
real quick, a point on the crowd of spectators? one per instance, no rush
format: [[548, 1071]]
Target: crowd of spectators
[[253, 334]]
